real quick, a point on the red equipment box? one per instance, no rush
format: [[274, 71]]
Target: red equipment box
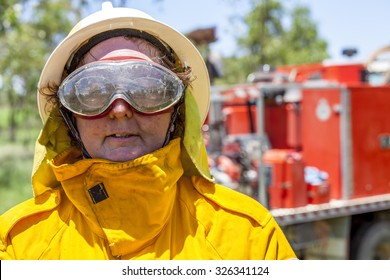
[[321, 134], [370, 134], [346, 132], [287, 188]]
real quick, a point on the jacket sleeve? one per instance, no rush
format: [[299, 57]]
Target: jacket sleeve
[[278, 247]]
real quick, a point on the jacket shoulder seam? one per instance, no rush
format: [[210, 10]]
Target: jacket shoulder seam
[[227, 199]]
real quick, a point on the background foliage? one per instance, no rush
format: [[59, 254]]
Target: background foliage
[[30, 30], [275, 36]]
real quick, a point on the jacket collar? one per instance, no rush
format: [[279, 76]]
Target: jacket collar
[[137, 199]]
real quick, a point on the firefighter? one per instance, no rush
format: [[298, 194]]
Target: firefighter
[[120, 169]]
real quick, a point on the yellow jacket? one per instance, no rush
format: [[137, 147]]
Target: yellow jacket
[[149, 208]]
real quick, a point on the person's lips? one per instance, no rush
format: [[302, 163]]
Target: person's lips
[[121, 135]]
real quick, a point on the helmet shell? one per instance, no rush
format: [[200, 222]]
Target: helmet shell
[[110, 18]]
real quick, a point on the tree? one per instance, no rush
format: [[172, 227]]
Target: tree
[[29, 30], [302, 44], [265, 32], [271, 40]]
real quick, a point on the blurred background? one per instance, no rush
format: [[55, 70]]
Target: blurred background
[[245, 42]]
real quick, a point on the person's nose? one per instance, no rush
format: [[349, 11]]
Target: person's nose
[[119, 109]]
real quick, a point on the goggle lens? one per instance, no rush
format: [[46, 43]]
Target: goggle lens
[[148, 87]]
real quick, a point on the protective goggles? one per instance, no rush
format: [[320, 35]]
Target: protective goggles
[[148, 87]]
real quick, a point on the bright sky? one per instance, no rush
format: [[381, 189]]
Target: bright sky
[[362, 24]]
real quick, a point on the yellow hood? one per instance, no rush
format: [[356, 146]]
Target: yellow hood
[[54, 139]]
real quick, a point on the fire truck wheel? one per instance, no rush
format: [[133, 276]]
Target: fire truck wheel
[[372, 242]]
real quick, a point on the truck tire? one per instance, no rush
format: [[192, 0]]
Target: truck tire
[[372, 242]]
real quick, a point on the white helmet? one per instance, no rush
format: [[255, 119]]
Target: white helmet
[[110, 18]]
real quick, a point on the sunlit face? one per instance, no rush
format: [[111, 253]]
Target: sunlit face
[[122, 134]]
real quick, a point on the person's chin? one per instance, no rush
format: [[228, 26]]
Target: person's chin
[[122, 154]]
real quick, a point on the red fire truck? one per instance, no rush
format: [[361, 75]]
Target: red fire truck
[[311, 143]]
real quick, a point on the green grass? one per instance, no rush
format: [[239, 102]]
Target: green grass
[[16, 158], [15, 175]]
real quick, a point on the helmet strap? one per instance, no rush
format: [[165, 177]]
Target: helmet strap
[[70, 123], [171, 126]]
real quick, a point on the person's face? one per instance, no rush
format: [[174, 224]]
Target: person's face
[[122, 134]]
